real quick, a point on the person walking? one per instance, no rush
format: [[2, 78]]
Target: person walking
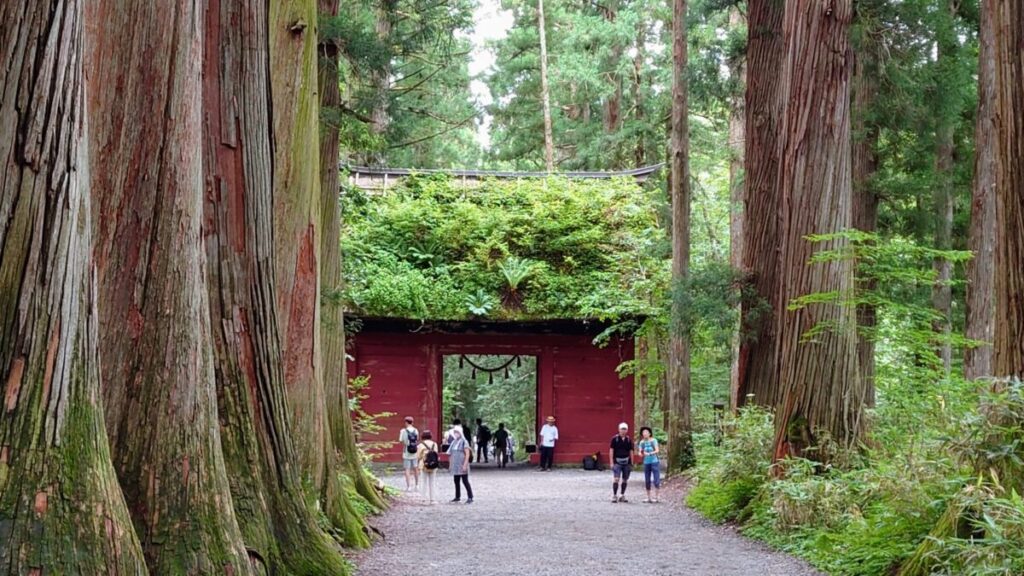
[[647, 447], [620, 454], [429, 462], [548, 437], [483, 441], [501, 445], [409, 440], [459, 453]]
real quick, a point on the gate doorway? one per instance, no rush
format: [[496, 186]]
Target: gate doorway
[[499, 389]]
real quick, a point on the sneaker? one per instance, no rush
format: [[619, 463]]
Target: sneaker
[[648, 501], [470, 501], [455, 500], [615, 499], [623, 499]]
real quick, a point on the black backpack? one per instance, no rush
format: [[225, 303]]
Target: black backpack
[[430, 459], [411, 436]]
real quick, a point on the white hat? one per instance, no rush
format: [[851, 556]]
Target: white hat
[[623, 426]]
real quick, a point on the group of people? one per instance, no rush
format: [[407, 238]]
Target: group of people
[[420, 457]]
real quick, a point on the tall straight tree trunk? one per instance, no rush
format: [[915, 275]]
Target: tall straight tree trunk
[[639, 64], [1008, 24], [145, 106], [822, 391], [341, 443], [643, 401], [865, 200], [278, 528], [612, 117], [680, 442], [982, 236], [942, 292], [545, 94], [737, 144], [381, 78], [757, 380], [61, 507], [293, 79]]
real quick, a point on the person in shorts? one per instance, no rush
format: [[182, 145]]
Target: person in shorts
[[409, 439], [620, 454]]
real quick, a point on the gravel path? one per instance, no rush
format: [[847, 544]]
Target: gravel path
[[559, 523]]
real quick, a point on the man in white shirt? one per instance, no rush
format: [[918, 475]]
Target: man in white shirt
[[409, 440], [548, 437]]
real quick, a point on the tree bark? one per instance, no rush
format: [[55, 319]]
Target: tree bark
[[639, 63], [680, 442], [1008, 24], [757, 379], [157, 371], [865, 199], [822, 391], [278, 528], [381, 78], [982, 235], [737, 144], [61, 508], [643, 403], [942, 291], [293, 79], [341, 443], [545, 96]]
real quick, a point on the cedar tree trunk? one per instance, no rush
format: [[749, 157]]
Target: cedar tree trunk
[[545, 95], [737, 138]]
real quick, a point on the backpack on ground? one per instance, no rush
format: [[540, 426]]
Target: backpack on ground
[[430, 459], [411, 436]]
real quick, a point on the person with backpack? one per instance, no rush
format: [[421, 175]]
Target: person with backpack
[[647, 447], [483, 441], [501, 438], [429, 462], [409, 438], [459, 453], [620, 453]]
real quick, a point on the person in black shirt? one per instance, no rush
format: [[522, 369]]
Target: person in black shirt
[[620, 454], [483, 440], [501, 445]]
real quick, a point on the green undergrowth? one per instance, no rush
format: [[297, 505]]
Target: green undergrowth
[[943, 501], [552, 248]]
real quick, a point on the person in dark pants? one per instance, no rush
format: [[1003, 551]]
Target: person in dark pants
[[548, 437], [483, 441], [620, 454], [459, 454], [501, 445]]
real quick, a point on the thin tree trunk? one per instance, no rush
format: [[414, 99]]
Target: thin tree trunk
[[1008, 23], [822, 392], [639, 63], [680, 443], [942, 291], [157, 368], [341, 443], [293, 79], [737, 143], [381, 78], [757, 379], [279, 530], [982, 236], [545, 96], [865, 200], [61, 507], [643, 404], [612, 117]]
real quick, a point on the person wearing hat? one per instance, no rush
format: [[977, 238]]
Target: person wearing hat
[[620, 454], [647, 447], [409, 440], [548, 437]]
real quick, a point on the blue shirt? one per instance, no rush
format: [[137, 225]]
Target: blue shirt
[[647, 448]]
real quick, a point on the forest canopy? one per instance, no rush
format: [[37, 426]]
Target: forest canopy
[[529, 249]]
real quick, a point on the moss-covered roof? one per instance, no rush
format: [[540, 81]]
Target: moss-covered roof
[[524, 249]]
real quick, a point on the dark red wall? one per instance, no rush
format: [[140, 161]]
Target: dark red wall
[[577, 382]]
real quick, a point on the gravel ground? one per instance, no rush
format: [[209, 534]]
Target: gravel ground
[[559, 523]]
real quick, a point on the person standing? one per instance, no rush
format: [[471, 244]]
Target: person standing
[[429, 462], [409, 439], [620, 454], [548, 438], [459, 453], [647, 447], [483, 441], [501, 445]]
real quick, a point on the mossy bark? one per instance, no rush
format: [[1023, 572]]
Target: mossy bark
[[145, 107], [61, 509], [278, 527], [341, 443]]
